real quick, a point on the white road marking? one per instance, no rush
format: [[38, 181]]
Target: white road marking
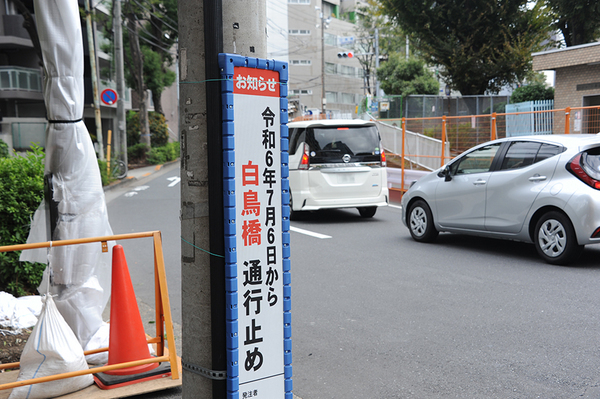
[[309, 233], [174, 180], [141, 188], [130, 193], [395, 206]]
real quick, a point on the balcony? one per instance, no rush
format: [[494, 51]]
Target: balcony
[[20, 83]]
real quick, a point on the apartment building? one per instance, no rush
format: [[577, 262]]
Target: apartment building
[[318, 33], [22, 110]]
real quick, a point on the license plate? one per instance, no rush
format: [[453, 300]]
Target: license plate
[[346, 178]]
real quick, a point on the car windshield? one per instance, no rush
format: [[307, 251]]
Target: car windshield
[[331, 144]]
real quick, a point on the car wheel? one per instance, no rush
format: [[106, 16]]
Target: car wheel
[[420, 222], [555, 239], [367, 211]]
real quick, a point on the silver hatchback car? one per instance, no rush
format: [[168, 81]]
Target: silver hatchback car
[[539, 189]]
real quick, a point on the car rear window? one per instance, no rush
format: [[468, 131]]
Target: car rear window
[[330, 144]]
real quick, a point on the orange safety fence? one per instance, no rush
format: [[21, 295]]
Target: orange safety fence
[[455, 134], [163, 339]]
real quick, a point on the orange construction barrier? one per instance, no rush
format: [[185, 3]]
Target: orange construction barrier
[[167, 358]]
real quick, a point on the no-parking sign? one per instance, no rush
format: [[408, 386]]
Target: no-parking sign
[[108, 96]]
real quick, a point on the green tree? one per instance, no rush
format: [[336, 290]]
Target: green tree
[[389, 40], [578, 20], [406, 77], [482, 45], [151, 32], [535, 91]]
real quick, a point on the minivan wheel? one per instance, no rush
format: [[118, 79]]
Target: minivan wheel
[[555, 239], [367, 211], [420, 222]]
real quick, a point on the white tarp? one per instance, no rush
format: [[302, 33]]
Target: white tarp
[[79, 275]]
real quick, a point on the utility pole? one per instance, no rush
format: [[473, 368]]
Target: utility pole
[[376, 61], [91, 49], [121, 135], [323, 95], [207, 28]]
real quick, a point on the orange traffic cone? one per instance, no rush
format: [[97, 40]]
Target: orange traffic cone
[[127, 340]]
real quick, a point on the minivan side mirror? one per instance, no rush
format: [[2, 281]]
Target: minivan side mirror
[[445, 173]]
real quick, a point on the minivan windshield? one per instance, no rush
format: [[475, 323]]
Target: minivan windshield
[[331, 144]]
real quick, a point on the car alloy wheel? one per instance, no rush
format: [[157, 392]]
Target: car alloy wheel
[[555, 239], [420, 222]]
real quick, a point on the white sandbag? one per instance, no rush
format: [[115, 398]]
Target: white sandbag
[[51, 349], [17, 313], [101, 339]]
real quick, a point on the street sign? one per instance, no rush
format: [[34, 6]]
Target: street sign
[[108, 96], [257, 238]]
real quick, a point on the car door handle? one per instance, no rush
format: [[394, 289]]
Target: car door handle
[[479, 182], [537, 178]]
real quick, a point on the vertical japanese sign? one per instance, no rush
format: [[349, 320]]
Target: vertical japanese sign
[[257, 240]]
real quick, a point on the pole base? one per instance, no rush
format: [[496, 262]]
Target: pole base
[[107, 381]]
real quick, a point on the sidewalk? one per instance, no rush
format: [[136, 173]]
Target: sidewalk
[[137, 174]]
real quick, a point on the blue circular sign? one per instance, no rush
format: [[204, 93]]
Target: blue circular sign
[[108, 96]]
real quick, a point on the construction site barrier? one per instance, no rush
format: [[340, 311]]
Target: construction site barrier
[[163, 339], [426, 144]]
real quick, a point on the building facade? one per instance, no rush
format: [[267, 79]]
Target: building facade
[[577, 82], [319, 33]]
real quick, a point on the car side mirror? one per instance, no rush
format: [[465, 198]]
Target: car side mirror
[[445, 173]]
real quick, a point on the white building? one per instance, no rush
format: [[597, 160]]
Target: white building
[[316, 32]]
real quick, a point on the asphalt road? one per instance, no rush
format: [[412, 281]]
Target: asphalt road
[[377, 315]]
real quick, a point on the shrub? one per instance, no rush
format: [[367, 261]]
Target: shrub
[[21, 191], [137, 153], [159, 132], [3, 149], [535, 91], [167, 153]]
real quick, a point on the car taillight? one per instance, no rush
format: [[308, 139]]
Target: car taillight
[[305, 160], [596, 233], [576, 167], [383, 158]]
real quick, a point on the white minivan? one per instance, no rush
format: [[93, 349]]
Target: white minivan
[[336, 164]]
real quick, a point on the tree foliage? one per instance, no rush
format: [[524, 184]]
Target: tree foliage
[[406, 77], [535, 91], [482, 45], [148, 36], [159, 133], [578, 20], [389, 40]]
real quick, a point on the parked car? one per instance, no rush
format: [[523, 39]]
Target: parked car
[[539, 189], [336, 164]]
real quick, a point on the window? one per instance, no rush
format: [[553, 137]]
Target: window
[[330, 40], [299, 32], [477, 161], [301, 62], [348, 98], [300, 92], [331, 96], [524, 153], [298, 1], [520, 154]]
